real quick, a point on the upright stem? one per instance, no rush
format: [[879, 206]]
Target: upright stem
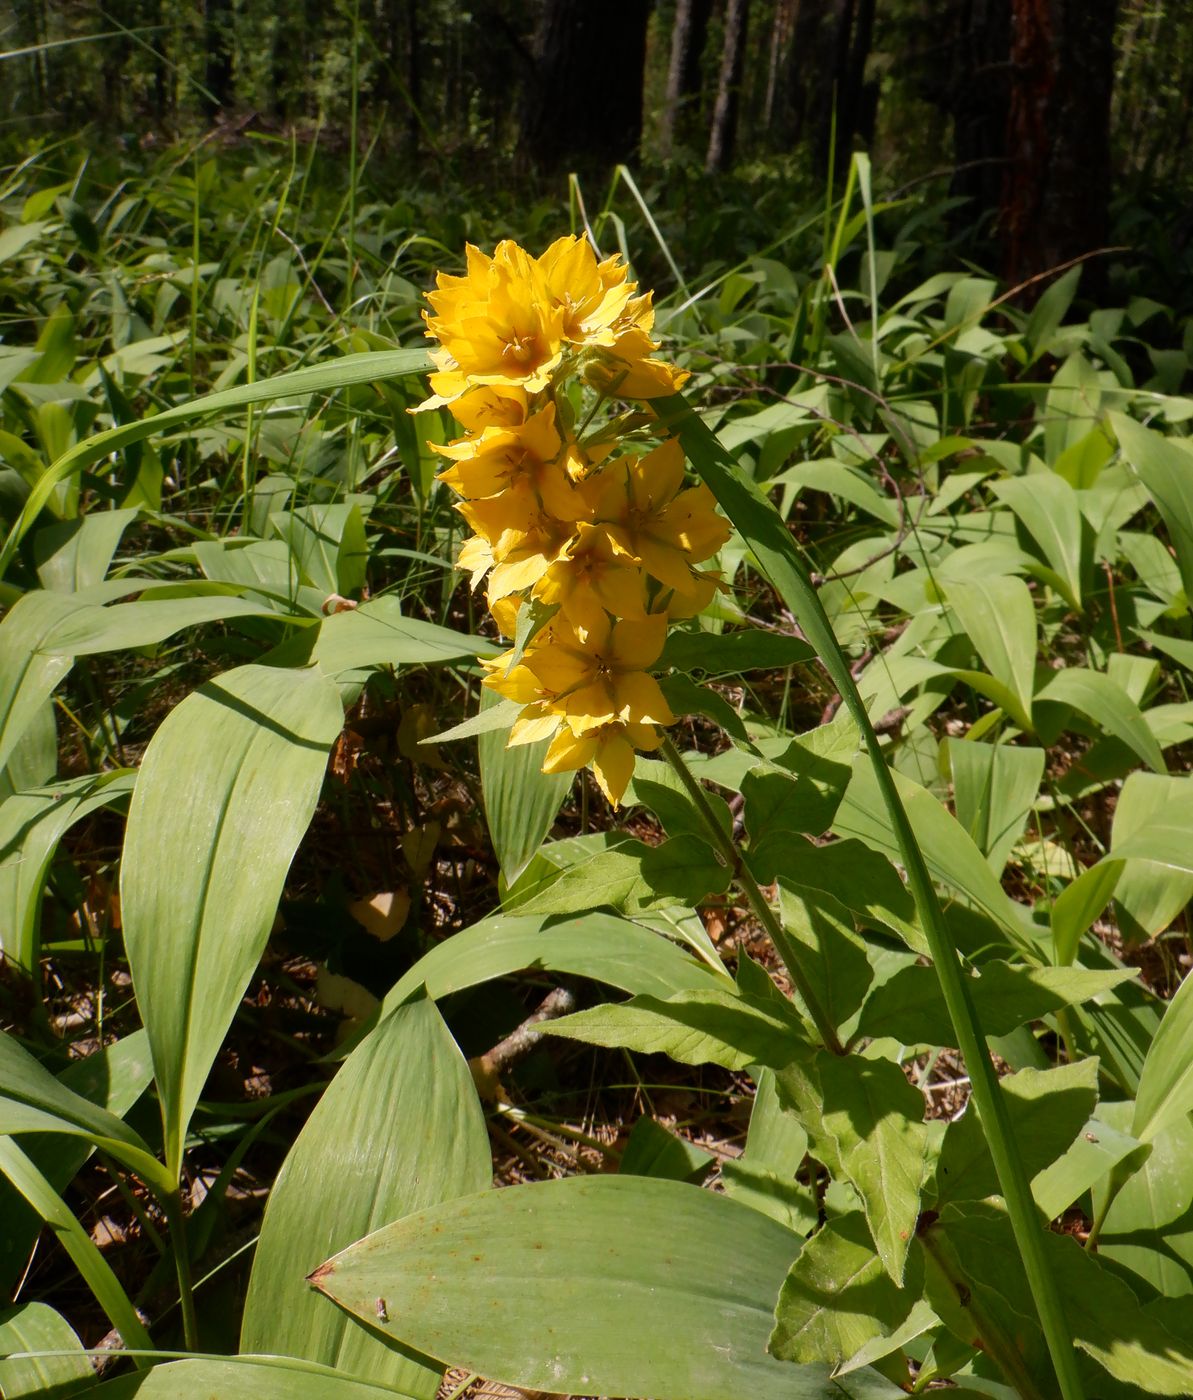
[[723, 844], [775, 551], [182, 1264]]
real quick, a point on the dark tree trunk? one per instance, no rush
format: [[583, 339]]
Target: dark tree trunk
[[723, 132], [1055, 194], [218, 45], [780, 37], [688, 34], [979, 98], [584, 100], [848, 108]]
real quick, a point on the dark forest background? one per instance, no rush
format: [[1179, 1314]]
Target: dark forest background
[[1039, 114]]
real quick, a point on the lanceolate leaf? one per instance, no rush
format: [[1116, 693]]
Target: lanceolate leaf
[[398, 1129], [242, 1378], [224, 795], [1166, 1084], [521, 801], [1000, 618], [1097, 697], [35, 1327], [592, 1285], [378, 634]]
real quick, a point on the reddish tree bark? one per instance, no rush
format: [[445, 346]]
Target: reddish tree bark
[[1056, 185]]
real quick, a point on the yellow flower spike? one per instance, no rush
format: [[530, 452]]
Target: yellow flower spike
[[592, 298], [531, 454], [594, 569], [599, 672], [524, 538], [650, 519], [609, 749]]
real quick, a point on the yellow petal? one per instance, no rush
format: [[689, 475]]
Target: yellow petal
[[613, 767]]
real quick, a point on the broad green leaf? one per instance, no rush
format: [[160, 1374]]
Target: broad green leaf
[[656, 785], [142, 623], [716, 1027], [875, 1118], [601, 946], [1050, 511], [36, 1327], [838, 1297], [113, 1078], [328, 544], [1079, 904], [994, 787], [1096, 1150], [833, 957], [612, 1285], [376, 634], [1048, 313], [910, 1008], [33, 1101], [493, 715], [263, 569], [31, 825], [521, 801], [1163, 467], [224, 794], [715, 654], [398, 1129], [1094, 695], [242, 1378], [1106, 1318], [849, 483], [775, 1139], [1048, 1108], [300, 383], [1000, 618], [651, 1150], [629, 875], [1166, 1084], [1153, 814], [784, 1199], [27, 675], [1149, 1226], [950, 852], [33, 760], [74, 554], [27, 1179], [777, 804]]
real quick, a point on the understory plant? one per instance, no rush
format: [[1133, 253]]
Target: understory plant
[[1035, 1243]]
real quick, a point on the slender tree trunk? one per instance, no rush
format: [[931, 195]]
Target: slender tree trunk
[[723, 132], [1055, 195], [584, 99], [217, 41], [780, 37]]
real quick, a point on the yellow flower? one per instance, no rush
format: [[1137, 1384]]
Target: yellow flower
[[649, 518], [592, 297], [489, 462], [593, 569], [523, 537], [598, 671], [609, 748], [627, 370], [490, 406]]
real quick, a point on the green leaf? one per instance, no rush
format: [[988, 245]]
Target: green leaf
[[113, 1078], [33, 1101], [1079, 904], [1097, 1150], [74, 554], [1163, 467], [601, 946], [788, 1201], [376, 634], [1000, 618], [27, 675], [1166, 1084], [1050, 311], [1050, 511], [398, 1129], [224, 794], [1108, 1322], [833, 957], [1152, 820], [909, 1006], [31, 825], [651, 1150], [1149, 1226], [94, 1268], [712, 1026], [656, 785], [875, 1118], [1094, 695], [715, 654], [778, 804], [838, 1297], [628, 875], [994, 787], [614, 1285], [1048, 1108], [327, 543], [143, 623], [521, 801], [300, 383], [35, 1327], [242, 1378]]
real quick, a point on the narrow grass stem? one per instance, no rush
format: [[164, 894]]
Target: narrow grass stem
[[176, 1217], [723, 844], [776, 553]]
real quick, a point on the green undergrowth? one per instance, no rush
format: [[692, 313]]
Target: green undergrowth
[[231, 623]]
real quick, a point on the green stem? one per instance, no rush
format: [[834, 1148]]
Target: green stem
[[775, 551], [999, 1347], [182, 1264], [759, 904]]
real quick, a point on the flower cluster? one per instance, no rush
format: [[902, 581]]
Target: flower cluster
[[599, 539]]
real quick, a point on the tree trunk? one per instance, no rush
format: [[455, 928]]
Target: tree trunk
[[217, 43], [978, 97], [688, 33], [1055, 195], [724, 117], [785, 13], [584, 101]]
